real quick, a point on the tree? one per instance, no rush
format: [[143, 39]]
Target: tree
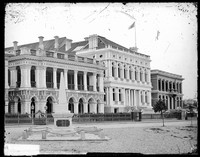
[[190, 108], [161, 107]]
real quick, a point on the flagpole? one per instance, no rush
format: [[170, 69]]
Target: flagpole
[[135, 36]]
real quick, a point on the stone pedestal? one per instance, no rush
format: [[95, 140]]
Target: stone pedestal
[[62, 120]]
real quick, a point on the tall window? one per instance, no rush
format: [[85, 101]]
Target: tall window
[[105, 94], [119, 70], [70, 77], [80, 81], [113, 94], [159, 84], [49, 77], [124, 71], [113, 70], [166, 85], [130, 73], [135, 74], [120, 95], [8, 77], [18, 76], [163, 83], [33, 83]]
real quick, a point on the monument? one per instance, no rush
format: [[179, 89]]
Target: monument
[[62, 116]]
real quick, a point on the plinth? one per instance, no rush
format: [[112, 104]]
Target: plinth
[[62, 120]]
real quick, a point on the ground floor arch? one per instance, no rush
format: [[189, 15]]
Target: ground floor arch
[[49, 104], [80, 106], [71, 105]]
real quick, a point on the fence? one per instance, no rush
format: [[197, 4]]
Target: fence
[[87, 117]]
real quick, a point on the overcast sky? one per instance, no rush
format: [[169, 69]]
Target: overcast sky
[[174, 50]]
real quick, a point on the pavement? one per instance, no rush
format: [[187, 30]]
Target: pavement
[[122, 124]]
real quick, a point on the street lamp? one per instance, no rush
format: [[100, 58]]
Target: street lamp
[[32, 108]]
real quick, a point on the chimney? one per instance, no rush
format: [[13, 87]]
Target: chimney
[[93, 41], [68, 44], [86, 38], [15, 45], [56, 42], [41, 45]]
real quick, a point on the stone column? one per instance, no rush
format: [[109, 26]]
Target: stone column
[[127, 71], [101, 85], [37, 76], [122, 72], [101, 107], [133, 74], [143, 97], [175, 101], [55, 78], [25, 76], [139, 97], [111, 95], [107, 96], [6, 74], [94, 82], [109, 69], [85, 81], [129, 99], [76, 107], [85, 106], [16, 106], [117, 95], [27, 107], [66, 78], [138, 75], [116, 70], [123, 95], [6, 106], [134, 97], [13, 77], [94, 106], [75, 80], [42, 77], [149, 98], [149, 76]]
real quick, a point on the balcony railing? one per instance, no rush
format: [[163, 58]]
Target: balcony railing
[[90, 88], [49, 84], [33, 84], [18, 84], [71, 86], [80, 87]]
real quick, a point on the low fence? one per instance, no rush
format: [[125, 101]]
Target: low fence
[[88, 117]]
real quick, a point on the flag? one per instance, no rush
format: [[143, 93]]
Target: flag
[[158, 33], [131, 26]]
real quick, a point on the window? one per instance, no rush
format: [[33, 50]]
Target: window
[[101, 56], [33, 83], [113, 94], [105, 94], [146, 97], [120, 95], [60, 56], [119, 70], [49, 54], [113, 73]]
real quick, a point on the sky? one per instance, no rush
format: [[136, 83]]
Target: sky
[[167, 32]]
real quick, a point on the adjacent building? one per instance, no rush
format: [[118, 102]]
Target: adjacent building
[[167, 87], [32, 77], [127, 75]]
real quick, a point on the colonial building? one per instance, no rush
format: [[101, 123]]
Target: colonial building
[[127, 75], [167, 87], [32, 77]]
